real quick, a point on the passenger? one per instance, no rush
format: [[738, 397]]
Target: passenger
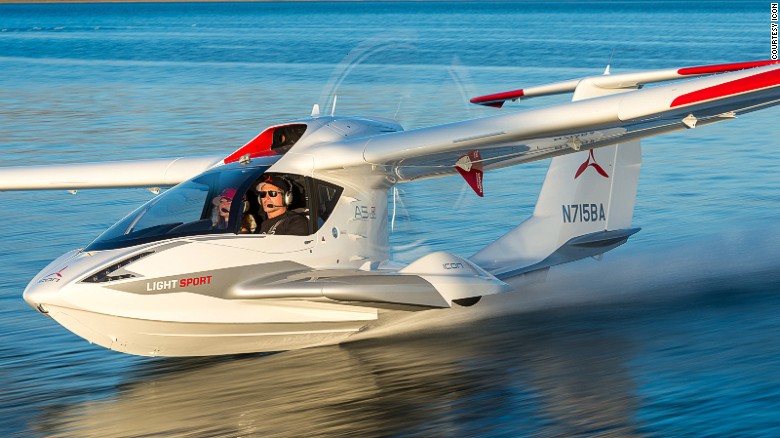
[[248, 222], [223, 203], [275, 196]]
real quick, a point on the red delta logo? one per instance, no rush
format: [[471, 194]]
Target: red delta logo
[[53, 277], [590, 162]]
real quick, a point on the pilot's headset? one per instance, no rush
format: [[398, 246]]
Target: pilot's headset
[[287, 196]]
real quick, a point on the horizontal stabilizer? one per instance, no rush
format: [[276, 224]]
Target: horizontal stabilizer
[[580, 247], [602, 239]]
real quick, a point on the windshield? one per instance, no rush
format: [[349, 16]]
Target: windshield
[[202, 205]]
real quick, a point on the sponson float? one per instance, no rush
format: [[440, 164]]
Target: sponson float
[[185, 274]]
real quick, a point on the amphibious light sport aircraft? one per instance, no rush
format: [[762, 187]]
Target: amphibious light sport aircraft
[[170, 280]]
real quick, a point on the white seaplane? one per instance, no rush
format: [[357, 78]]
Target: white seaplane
[[167, 281]]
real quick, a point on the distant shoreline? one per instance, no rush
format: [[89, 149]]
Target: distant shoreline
[[262, 1], [247, 1], [197, 1], [52, 2]]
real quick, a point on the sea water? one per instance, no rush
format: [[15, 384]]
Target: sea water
[[673, 334]]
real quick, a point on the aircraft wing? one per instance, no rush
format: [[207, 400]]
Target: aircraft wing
[[622, 81], [527, 135], [162, 172]]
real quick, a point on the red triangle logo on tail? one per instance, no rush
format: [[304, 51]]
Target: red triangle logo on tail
[[590, 162]]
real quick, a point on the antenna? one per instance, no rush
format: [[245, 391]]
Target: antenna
[[333, 109], [398, 109], [392, 219], [606, 70], [315, 111]]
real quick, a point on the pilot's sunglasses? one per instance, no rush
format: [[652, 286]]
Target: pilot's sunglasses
[[270, 193]]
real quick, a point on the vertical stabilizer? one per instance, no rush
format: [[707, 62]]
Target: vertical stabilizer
[[584, 208], [591, 190]]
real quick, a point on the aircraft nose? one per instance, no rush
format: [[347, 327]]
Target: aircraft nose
[[46, 288], [38, 295]]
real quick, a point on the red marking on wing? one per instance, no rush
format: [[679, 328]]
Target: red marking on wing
[[750, 83], [720, 68], [497, 100]]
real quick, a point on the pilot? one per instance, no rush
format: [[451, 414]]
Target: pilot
[[275, 196], [223, 203]]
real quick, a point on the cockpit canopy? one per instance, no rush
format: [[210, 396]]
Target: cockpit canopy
[[223, 200]]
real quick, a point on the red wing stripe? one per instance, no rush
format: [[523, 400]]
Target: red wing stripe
[[720, 68], [750, 83], [491, 99]]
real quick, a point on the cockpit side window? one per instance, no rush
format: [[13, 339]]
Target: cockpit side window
[[283, 196], [310, 198], [327, 195]]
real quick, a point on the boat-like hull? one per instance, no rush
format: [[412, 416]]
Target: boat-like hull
[[176, 338]]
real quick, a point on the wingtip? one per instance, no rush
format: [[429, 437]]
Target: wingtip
[[497, 100], [494, 104]]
